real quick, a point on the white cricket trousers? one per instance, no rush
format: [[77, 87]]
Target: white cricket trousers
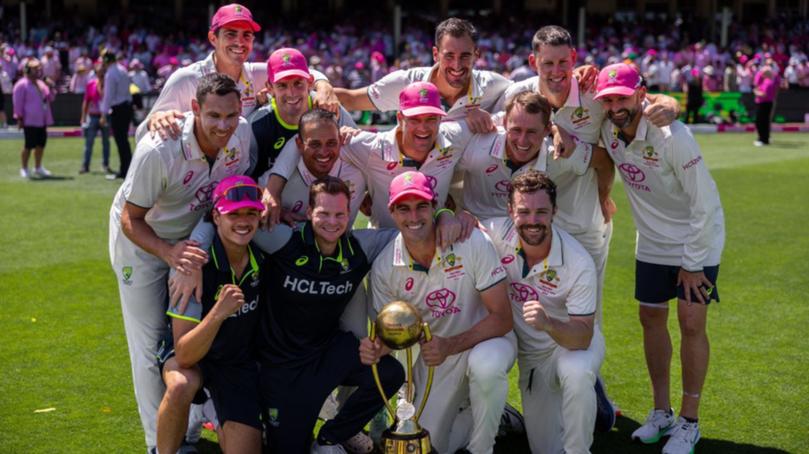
[[559, 399], [597, 244], [142, 285], [478, 378]]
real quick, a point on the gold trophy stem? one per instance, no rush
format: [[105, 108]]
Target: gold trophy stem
[[375, 371], [410, 391], [428, 336]]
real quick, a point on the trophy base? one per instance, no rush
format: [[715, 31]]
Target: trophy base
[[397, 443]]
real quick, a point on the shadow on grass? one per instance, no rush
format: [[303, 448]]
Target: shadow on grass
[[618, 440], [775, 144], [51, 178]]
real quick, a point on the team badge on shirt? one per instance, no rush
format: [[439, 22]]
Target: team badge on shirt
[[580, 117], [548, 281], [650, 157]]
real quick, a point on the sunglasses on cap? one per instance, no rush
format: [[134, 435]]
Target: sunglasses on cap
[[242, 192]]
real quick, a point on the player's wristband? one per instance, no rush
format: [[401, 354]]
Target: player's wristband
[[442, 210]]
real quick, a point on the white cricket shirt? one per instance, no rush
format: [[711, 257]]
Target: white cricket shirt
[[674, 200], [174, 180], [564, 283]]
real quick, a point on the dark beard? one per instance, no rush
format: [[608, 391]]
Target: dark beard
[[543, 234]]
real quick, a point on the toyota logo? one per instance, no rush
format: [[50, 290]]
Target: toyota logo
[[503, 185], [432, 180], [521, 293], [632, 173], [203, 194], [440, 299]]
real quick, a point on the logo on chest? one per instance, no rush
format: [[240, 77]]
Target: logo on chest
[[634, 177], [442, 302], [520, 293]]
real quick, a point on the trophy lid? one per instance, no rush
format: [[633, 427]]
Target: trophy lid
[[398, 325]]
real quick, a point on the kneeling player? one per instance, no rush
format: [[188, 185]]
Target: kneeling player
[[552, 288], [210, 338]]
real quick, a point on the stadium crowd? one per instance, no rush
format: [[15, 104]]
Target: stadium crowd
[[352, 58]]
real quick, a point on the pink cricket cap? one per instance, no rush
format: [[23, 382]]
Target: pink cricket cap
[[410, 183], [618, 79], [420, 98], [228, 197], [287, 62], [231, 13]]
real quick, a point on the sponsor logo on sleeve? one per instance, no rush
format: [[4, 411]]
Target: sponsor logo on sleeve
[[692, 163], [498, 271]]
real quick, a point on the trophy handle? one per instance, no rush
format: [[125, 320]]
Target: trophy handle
[[428, 336], [375, 371]]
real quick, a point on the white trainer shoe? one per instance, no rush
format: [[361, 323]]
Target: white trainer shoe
[[657, 424], [683, 438], [24, 173], [42, 172]]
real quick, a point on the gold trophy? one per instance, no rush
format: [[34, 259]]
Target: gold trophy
[[399, 326]]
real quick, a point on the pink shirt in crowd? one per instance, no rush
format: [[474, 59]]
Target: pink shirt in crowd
[[768, 86], [31, 105], [93, 97]]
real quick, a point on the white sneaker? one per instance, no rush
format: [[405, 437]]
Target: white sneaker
[[24, 173], [758, 143], [42, 172], [511, 422], [684, 437], [317, 448], [657, 424]]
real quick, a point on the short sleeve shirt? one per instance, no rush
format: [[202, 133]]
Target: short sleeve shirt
[[485, 91], [674, 200], [447, 294], [379, 157], [565, 283], [232, 341], [173, 179]]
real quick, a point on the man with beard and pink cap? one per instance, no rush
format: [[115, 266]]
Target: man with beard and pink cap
[[681, 233]]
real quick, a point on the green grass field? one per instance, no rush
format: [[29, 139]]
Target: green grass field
[[65, 384]]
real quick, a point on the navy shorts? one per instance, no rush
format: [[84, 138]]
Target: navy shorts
[[658, 283], [165, 351], [34, 137]]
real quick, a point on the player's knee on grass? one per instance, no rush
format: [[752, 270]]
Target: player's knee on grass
[[181, 384]]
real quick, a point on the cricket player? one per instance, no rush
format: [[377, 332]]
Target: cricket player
[[231, 34], [318, 144], [680, 238], [167, 190], [289, 82], [461, 293], [210, 339], [468, 94], [492, 160], [552, 290], [578, 113]]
